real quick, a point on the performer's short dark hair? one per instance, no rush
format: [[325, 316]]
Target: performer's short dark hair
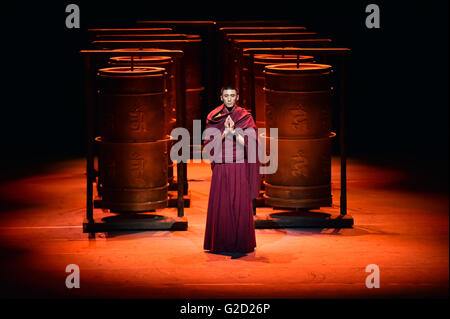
[[229, 87]]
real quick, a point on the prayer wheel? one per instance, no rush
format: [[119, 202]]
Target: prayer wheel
[[133, 143], [133, 175], [299, 104], [260, 61], [155, 61], [238, 45], [191, 46], [245, 77], [170, 102], [131, 103], [161, 62]]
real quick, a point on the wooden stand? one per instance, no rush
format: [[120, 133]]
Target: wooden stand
[[309, 218], [134, 221], [173, 199]]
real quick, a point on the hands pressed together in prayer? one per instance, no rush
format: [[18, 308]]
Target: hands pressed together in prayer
[[229, 127], [230, 131]]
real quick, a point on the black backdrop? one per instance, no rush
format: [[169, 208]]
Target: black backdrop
[[398, 86]]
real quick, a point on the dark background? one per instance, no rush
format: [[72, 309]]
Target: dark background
[[398, 81]]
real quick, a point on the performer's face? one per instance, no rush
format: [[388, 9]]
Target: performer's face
[[229, 98]]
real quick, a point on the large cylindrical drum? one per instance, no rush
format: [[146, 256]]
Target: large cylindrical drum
[[133, 158], [134, 175], [131, 103], [299, 104], [192, 48], [260, 61], [165, 62], [168, 64]]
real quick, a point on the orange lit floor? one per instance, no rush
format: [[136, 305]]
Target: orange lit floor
[[401, 224]]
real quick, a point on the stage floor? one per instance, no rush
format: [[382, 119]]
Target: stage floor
[[401, 224]]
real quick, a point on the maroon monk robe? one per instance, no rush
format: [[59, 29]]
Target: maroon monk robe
[[229, 223]]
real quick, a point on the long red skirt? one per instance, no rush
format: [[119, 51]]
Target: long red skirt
[[230, 225]]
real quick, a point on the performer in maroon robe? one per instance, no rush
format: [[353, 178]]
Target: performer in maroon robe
[[229, 224]]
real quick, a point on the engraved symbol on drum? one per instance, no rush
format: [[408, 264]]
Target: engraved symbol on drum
[[136, 119], [299, 164], [299, 117], [136, 165]]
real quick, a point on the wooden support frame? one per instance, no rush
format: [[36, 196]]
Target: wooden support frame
[[91, 60], [342, 219]]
